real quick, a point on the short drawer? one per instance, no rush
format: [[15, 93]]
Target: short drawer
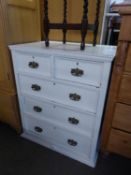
[[67, 117], [120, 142], [40, 65], [86, 72], [122, 117], [125, 90], [83, 98]]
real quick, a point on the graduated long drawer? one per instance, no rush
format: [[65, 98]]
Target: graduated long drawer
[[67, 117], [74, 142], [83, 98]]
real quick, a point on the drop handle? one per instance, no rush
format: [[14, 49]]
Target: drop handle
[[75, 97], [72, 142], [35, 87], [38, 129], [73, 120], [33, 65], [37, 109], [77, 72]]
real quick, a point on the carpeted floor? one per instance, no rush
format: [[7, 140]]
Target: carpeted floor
[[22, 157]]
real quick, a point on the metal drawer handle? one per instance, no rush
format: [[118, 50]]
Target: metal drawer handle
[[75, 97], [38, 129], [37, 109], [77, 72], [73, 120], [35, 87], [33, 65], [72, 142]]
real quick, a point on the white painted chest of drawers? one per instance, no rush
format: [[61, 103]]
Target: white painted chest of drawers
[[61, 94]]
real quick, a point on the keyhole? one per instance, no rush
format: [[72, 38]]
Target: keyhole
[[77, 63]]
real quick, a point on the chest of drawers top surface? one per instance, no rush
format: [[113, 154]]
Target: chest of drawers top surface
[[97, 53]]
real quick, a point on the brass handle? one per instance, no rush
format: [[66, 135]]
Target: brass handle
[[72, 142], [75, 97], [38, 129], [73, 120], [33, 65], [77, 72], [35, 87], [37, 109]]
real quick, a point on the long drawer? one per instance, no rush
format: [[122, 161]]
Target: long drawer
[[86, 72], [82, 98], [120, 142], [67, 117], [40, 65], [75, 142]]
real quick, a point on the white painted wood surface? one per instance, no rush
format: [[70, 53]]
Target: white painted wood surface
[[68, 126]]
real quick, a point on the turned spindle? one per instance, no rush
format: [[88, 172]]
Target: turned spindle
[[84, 24], [96, 21], [46, 23], [65, 22]]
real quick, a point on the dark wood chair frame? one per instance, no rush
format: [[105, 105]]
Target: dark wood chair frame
[[84, 26]]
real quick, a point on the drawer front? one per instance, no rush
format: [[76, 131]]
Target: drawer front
[[128, 60], [120, 142], [82, 98], [79, 71], [67, 117], [38, 127], [125, 89], [122, 117], [75, 142], [33, 64]]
